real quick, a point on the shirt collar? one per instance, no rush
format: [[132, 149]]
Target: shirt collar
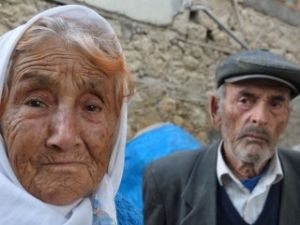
[[273, 174]]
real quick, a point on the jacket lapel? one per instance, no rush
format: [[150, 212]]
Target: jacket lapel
[[200, 192]]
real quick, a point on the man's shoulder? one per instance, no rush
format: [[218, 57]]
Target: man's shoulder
[[290, 160], [289, 156], [177, 164], [172, 172], [178, 159]]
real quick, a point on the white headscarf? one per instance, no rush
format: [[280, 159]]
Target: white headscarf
[[18, 206]]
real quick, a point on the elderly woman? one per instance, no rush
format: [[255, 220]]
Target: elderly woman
[[63, 109]]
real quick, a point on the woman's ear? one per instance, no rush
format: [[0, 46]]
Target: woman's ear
[[215, 116]]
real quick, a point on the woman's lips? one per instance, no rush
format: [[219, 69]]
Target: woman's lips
[[64, 166]]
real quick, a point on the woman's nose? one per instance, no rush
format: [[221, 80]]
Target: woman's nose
[[63, 131]]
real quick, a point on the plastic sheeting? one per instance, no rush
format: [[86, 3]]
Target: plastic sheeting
[[151, 144]]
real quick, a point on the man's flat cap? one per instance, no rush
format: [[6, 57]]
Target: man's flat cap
[[259, 64]]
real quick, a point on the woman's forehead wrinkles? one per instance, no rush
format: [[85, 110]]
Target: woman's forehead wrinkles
[[52, 57], [94, 82], [52, 67]]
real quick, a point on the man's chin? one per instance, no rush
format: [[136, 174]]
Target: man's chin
[[252, 152], [249, 158]]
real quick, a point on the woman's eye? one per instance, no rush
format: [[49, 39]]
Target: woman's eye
[[35, 103], [244, 101], [93, 108]]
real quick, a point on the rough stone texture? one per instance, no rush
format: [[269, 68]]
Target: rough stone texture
[[174, 65]]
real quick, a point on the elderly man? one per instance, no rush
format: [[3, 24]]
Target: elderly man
[[243, 179]]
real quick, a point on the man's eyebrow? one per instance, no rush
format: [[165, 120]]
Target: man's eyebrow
[[279, 98], [246, 93]]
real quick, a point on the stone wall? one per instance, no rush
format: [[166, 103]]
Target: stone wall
[[174, 65]]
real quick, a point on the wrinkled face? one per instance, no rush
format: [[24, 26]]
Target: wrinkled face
[[251, 119], [58, 123]]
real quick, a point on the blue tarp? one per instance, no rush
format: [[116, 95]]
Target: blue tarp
[[153, 143]]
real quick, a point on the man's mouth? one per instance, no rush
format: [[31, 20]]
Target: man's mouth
[[255, 137]]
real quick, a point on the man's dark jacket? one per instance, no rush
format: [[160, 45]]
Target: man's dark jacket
[[182, 189]]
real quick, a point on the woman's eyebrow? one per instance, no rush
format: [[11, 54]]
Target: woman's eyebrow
[[93, 82], [39, 78], [95, 85]]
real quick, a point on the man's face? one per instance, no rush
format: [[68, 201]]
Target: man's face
[[58, 123], [252, 117]]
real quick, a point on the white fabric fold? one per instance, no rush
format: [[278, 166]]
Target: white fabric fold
[[19, 207]]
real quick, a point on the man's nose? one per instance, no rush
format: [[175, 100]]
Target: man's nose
[[63, 131], [260, 114]]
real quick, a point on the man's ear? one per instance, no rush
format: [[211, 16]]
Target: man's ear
[[215, 116]]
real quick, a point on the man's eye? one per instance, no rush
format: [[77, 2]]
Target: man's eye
[[245, 102], [276, 104], [35, 103]]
